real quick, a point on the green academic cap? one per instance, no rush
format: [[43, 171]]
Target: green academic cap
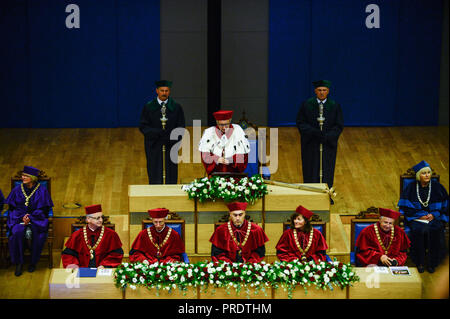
[[322, 83], [163, 83]]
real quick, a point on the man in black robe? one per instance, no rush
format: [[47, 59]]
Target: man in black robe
[[155, 136], [311, 136]]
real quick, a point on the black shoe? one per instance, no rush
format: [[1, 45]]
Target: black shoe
[[420, 268], [331, 201], [31, 268], [19, 268], [430, 269]]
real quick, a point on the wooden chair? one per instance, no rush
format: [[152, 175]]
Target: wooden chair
[[45, 181], [81, 222], [226, 217], [410, 176], [176, 223], [251, 131]]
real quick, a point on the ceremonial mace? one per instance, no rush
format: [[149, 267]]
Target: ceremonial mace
[[321, 119], [163, 123], [330, 191]]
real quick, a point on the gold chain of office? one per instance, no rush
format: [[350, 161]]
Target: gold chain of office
[[240, 246], [158, 247], [93, 248], [386, 249], [311, 233], [27, 198]]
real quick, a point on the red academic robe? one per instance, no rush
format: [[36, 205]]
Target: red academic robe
[[238, 162], [222, 240], [143, 249], [108, 253], [369, 249], [287, 248]]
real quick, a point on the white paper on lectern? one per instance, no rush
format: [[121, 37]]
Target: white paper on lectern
[[104, 272]]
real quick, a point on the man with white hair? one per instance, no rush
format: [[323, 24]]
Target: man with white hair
[[424, 204], [94, 245], [383, 243]]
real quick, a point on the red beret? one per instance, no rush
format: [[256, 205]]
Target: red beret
[[304, 212], [158, 212], [223, 115], [389, 213], [237, 206], [93, 209]]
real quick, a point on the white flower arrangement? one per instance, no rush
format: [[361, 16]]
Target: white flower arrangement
[[288, 275]]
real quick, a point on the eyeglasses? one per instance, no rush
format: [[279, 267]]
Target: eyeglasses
[[96, 218]]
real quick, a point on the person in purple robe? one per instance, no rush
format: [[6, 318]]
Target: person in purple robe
[[2, 200], [29, 204]]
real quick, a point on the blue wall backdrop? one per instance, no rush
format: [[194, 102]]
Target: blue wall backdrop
[[99, 75], [381, 76]]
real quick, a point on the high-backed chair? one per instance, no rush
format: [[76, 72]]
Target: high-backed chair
[[226, 217], [177, 224], [317, 223], [16, 180], [81, 222], [254, 166]]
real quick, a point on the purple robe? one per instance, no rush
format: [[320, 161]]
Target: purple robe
[[38, 208]]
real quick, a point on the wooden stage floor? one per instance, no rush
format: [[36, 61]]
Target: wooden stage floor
[[96, 165]]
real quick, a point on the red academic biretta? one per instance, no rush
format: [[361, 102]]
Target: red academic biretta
[[223, 115], [304, 212], [158, 212], [92, 209], [237, 206], [389, 213]]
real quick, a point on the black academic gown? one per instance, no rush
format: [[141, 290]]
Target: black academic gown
[[311, 137], [155, 137]]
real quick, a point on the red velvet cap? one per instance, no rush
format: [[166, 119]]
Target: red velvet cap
[[389, 213], [304, 212], [158, 212], [93, 209], [237, 206], [222, 115]]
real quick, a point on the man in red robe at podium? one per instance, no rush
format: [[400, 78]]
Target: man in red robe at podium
[[238, 240], [224, 147], [158, 243], [383, 243], [94, 245], [307, 243]]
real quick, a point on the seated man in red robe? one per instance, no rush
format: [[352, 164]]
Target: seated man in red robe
[[224, 147], [238, 240], [158, 243], [302, 241], [383, 243], [94, 245]]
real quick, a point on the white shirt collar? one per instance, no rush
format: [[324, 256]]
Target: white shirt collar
[[159, 101], [318, 101], [159, 231]]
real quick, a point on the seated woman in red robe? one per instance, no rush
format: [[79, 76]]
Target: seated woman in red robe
[[238, 240], [382, 243], [94, 245], [302, 241], [158, 243]]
